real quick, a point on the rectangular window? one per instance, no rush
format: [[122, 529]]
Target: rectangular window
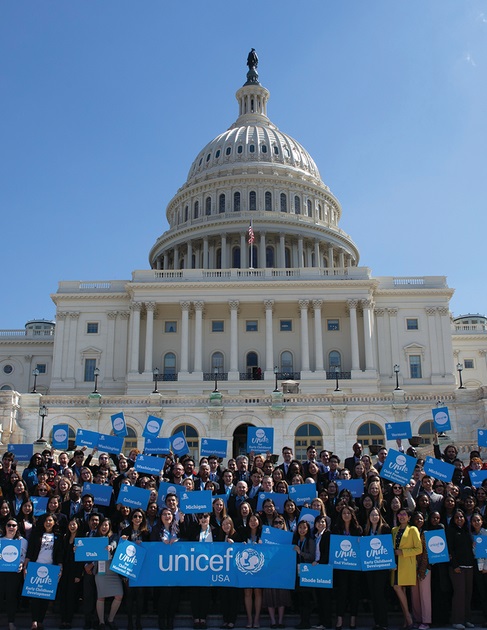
[[170, 327], [415, 366], [333, 324], [251, 325], [468, 364], [217, 326], [90, 365], [412, 323], [41, 367], [92, 328], [286, 325]]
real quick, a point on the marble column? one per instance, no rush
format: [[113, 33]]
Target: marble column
[[185, 306], [176, 257], [198, 335], [135, 336], [189, 256], [352, 305], [319, 363], [243, 251], [233, 306], [205, 252], [282, 251], [300, 252], [109, 360], [269, 336], [223, 248], [367, 306], [72, 338], [317, 254], [59, 345], [262, 256], [303, 308], [150, 307], [331, 262]]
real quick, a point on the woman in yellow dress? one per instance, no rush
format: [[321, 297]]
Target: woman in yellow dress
[[407, 545]]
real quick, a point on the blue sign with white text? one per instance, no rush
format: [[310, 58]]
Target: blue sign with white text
[[10, 554], [436, 546], [278, 498], [213, 447], [477, 477], [303, 493], [260, 440], [40, 505], [398, 430], [91, 549], [22, 452], [438, 469], [354, 486], [377, 553], [157, 446], [41, 580], [482, 437], [102, 495], [149, 464], [152, 427], [179, 446], [166, 488], [345, 552], [128, 559], [60, 436], [398, 467], [87, 438], [316, 576], [480, 546], [133, 497], [441, 419], [275, 536], [110, 443], [195, 502], [119, 425]]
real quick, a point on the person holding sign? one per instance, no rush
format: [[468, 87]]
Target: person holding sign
[[322, 556], [136, 532], [377, 580], [462, 562], [480, 572], [276, 599], [229, 597], [305, 549], [108, 583], [70, 583], [421, 591], [10, 581]]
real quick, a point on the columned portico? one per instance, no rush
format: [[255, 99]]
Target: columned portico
[[233, 306], [352, 306], [303, 308], [319, 365], [198, 336], [150, 307], [185, 306], [269, 339]]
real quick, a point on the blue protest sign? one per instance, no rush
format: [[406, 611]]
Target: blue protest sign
[[217, 564], [157, 446], [41, 580], [102, 495], [278, 498], [441, 419], [22, 452], [166, 488], [150, 464], [213, 447], [119, 425], [152, 427], [482, 437], [307, 514], [477, 477], [438, 469], [303, 493], [354, 486], [110, 443], [316, 576], [398, 467], [60, 436], [398, 430], [87, 438], [195, 502], [345, 552], [91, 549], [179, 446], [9, 555], [128, 559], [260, 440], [275, 536], [40, 505], [480, 546], [436, 546], [377, 552], [133, 497]]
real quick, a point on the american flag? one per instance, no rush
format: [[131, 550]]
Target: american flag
[[251, 234]]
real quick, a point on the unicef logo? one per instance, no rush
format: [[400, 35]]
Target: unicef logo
[[375, 543], [401, 460], [131, 551], [178, 444], [42, 572], [60, 435], [304, 568], [260, 434], [171, 490], [345, 546], [436, 544], [249, 561], [152, 426], [205, 442], [118, 424], [10, 553], [184, 496], [478, 540], [441, 417]]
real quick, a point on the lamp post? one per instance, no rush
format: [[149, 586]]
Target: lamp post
[[155, 374], [96, 372], [215, 371], [276, 389], [35, 374], [42, 414], [396, 372], [337, 372], [459, 370]]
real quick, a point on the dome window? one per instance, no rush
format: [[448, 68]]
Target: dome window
[[268, 201], [186, 213], [236, 202], [200, 162], [283, 202], [297, 205], [196, 209], [208, 206], [240, 149], [252, 148], [264, 148], [252, 200], [276, 150], [221, 203], [286, 151], [228, 150], [310, 208], [208, 157], [217, 154]]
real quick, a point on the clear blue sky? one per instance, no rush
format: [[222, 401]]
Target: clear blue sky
[[105, 104]]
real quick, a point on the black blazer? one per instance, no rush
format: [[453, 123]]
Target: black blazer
[[34, 547]]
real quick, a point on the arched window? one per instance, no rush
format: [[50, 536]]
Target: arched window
[[208, 206], [236, 258], [320, 212], [169, 365], [283, 202], [196, 209], [269, 257], [334, 360], [370, 433], [287, 364], [268, 201], [252, 200], [5, 388], [307, 435], [192, 439], [221, 203], [130, 440], [217, 362], [252, 364], [427, 432], [186, 213], [310, 208], [236, 202], [297, 205]]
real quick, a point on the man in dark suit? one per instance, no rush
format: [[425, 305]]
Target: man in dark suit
[[357, 454], [227, 486], [287, 456], [203, 477], [73, 505], [236, 500], [242, 473], [87, 510], [311, 455]]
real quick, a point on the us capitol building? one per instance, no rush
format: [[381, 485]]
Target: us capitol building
[[255, 311]]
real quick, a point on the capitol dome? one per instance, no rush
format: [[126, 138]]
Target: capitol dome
[[253, 174]]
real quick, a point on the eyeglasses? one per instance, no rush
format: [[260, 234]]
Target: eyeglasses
[[137, 516], [11, 524]]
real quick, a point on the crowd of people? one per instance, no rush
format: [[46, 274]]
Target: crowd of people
[[427, 594]]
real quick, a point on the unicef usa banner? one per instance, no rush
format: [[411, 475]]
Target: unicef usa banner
[[398, 467], [149, 464], [118, 424], [87, 438], [317, 576], [438, 469], [9, 555], [260, 440], [133, 497], [213, 447], [217, 564], [196, 502], [441, 419], [128, 559], [152, 427], [436, 546], [60, 435], [377, 552], [398, 430], [41, 580], [345, 552]]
